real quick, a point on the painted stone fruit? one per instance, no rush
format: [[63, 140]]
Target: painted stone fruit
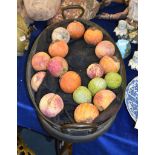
[[58, 48], [95, 70], [82, 95], [76, 29], [85, 113], [51, 105], [61, 33], [37, 80], [57, 66], [96, 85], [103, 99], [70, 81], [110, 64], [40, 61], [104, 48], [93, 36], [113, 80]]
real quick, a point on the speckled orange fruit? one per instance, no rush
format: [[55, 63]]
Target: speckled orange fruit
[[76, 29], [70, 81], [93, 36], [85, 113], [110, 64], [58, 48]]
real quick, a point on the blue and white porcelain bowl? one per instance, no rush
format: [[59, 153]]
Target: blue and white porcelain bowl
[[131, 98]]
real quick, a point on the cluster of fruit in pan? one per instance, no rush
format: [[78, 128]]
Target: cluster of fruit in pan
[[104, 75]]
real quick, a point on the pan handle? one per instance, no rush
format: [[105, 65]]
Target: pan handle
[[77, 129], [72, 7]]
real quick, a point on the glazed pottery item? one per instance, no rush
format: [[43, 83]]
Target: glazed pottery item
[[131, 98]]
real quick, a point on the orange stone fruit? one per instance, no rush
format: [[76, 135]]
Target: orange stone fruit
[[85, 113], [58, 48], [93, 36], [110, 64], [76, 29], [103, 99], [70, 81]]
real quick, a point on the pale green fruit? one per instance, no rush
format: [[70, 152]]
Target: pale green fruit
[[113, 80], [96, 85], [82, 95]]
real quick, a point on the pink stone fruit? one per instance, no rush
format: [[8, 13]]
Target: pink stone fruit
[[103, 99], [40, 61], [95, 70], [57, 66], [104, 48], [37, 80], [51, 105]]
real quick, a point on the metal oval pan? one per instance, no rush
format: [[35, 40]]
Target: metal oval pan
[[72, 129]]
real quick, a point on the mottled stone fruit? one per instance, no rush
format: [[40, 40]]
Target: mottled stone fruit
[[82, 95], [95, 70], [60, 33], [113, 80]]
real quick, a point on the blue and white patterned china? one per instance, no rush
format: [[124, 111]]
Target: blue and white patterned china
[[131, 98]]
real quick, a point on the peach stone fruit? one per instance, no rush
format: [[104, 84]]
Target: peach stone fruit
[[110, 64], [51, 105], [104, 48], [37, 80], [103, 99], [40, 61]]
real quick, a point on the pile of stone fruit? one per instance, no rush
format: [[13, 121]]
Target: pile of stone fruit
[[90, 100]]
